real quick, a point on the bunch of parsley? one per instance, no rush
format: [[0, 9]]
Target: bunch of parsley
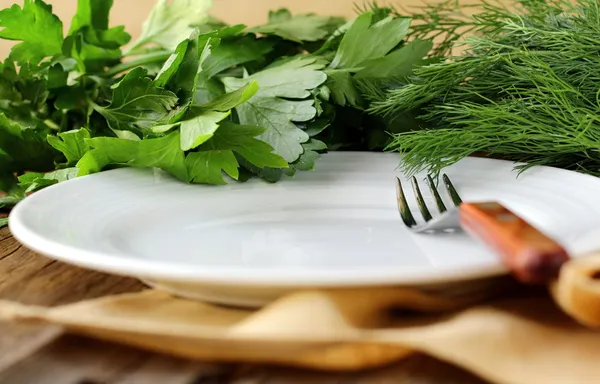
[[204, 101], [525, 89]]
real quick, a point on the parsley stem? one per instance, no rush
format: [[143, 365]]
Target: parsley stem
[[151, 58], [51, 124], [137, 51]]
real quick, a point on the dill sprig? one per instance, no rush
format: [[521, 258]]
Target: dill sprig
[[445, 23], [527, 89]]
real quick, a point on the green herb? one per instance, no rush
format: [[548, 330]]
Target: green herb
[[72, 144], [201, 100], [31, 182], [39, 31], [273, 108], [162, 152], [171, 22], [525, 90], [137, 103], [299, 28], [366, 40]]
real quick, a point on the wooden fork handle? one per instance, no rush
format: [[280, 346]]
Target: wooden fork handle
[[531, 256]]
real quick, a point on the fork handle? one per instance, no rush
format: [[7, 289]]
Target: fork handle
[[530, 255]]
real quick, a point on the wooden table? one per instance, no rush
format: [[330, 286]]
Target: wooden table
[[45, 355]]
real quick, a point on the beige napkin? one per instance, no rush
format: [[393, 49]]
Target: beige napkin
[[522, 337]]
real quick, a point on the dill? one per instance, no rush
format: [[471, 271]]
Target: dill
[[527, 88]]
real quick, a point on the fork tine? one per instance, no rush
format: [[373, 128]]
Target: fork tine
[[438, 200], [452, 191], [405, 212], [420, 201]]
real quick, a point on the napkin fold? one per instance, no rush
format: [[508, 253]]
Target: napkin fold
[[504, 333]]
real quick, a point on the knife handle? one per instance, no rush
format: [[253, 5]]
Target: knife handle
[[530, 255]]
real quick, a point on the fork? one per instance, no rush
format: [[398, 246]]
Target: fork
[[532, 256]]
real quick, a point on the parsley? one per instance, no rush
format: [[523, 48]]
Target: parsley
[[137, 103], [163, 152], [72, 144], [299, 28], [33, 181], [171, 22], [367, 41], [207, 166], [273, 108], [23, 150], [39, 31], [91, 20], [204, 101]]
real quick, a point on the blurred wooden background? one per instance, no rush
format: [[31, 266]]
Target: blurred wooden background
[[132, 13]]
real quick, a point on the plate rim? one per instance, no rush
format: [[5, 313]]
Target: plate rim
[[165, 271]]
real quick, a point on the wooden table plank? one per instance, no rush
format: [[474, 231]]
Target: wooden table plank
[[17, 341], [32, 279], [44, 355], [161, 369], [72, 359]]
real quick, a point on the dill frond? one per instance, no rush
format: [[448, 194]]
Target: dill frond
[[526, 90], [379, 12]]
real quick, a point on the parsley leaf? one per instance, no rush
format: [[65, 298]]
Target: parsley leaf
[[364, 41], [379, 60], [218, 154], [185, 79], [40, 31], [343, 91], [203, 166], [199, 129], [202, 127], [90, 41], [243, 140], [171, 22], [91, 13], [202, 120], [162, 152], [230, 100], [23, 150], [399, 63], [34, 181], [92, 19], [298, 28], [137, 103], [15, 194], [206, 167], [234, 52], [314, 145], [226, 50], [273, 108], [23, 95], [171, 66], [306, 162], [71, 143]]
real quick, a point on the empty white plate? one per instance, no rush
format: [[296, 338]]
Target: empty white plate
[[248, 243]]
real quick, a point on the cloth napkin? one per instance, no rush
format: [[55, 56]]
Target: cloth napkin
[[501, 331]]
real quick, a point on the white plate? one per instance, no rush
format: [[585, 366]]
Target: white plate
[[247, 243]]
